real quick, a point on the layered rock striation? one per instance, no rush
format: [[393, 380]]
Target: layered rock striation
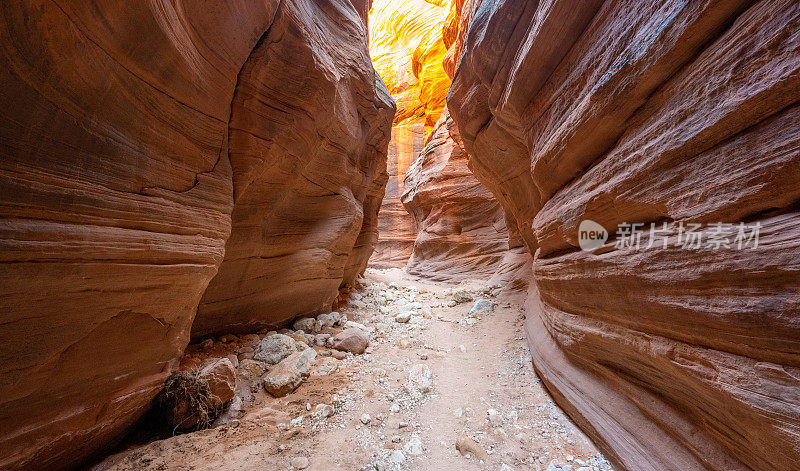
[[651, 112], [461, 228], [136, 138], [462, 232], [308, 140]]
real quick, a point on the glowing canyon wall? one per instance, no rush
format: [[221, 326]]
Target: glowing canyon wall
[[407, 50], [663, 112], [456, 228], [149, 149]]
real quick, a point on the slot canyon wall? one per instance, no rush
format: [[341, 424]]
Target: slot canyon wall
[[146, 148], [650, 111], [407, 51], [456, 229]]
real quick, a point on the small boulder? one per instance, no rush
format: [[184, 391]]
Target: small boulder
[[419, 380], [403, 317], [308, 325], [462, 296], [323, 410], [481, 306], [351, 340], [274, 348], [192, 399], [465, 445], [299, 462], [287, 375], [221, 379], [326, 320]]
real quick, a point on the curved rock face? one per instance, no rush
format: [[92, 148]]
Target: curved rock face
[[651, 112], [117, 191], [308, 138], [407, 49], [461, 227], [462, 231]]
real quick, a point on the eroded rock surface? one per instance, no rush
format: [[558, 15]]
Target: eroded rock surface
[[651, 112], [308, 136], [462, 232], [130, 134]]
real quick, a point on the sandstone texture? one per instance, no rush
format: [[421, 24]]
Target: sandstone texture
[[307, 144], [407, 50], [136, 138], [462, 232], [650, 112]]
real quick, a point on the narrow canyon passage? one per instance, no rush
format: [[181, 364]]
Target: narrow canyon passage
[[442, 386], [388, 235]]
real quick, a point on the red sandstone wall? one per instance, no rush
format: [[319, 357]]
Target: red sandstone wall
[[121, 165], [651, 111]]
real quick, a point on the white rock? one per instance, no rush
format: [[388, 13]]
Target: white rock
[[365, 418], [419, 379], [481, 306], [300, 462], [397, 458], [414, 446], [403, 317], [323, 410]]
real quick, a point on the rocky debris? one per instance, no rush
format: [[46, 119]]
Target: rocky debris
[[352, 340], [365, 418], [324, 366], [287, 375], [323, 411], [413, 446], [193, 399], [467, 446], [274, 348], [419, 380], [462, 296], [308, 325], [207, 344], [481, 306], [339, 355], [299, 462], [403, 317]]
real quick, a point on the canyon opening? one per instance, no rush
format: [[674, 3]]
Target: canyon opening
[[389, 235]]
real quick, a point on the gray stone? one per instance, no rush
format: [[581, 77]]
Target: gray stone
[[274, 348], [308, 325], [481, 306], [287, 375]]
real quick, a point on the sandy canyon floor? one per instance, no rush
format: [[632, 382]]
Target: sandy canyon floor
[[482, 395]]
